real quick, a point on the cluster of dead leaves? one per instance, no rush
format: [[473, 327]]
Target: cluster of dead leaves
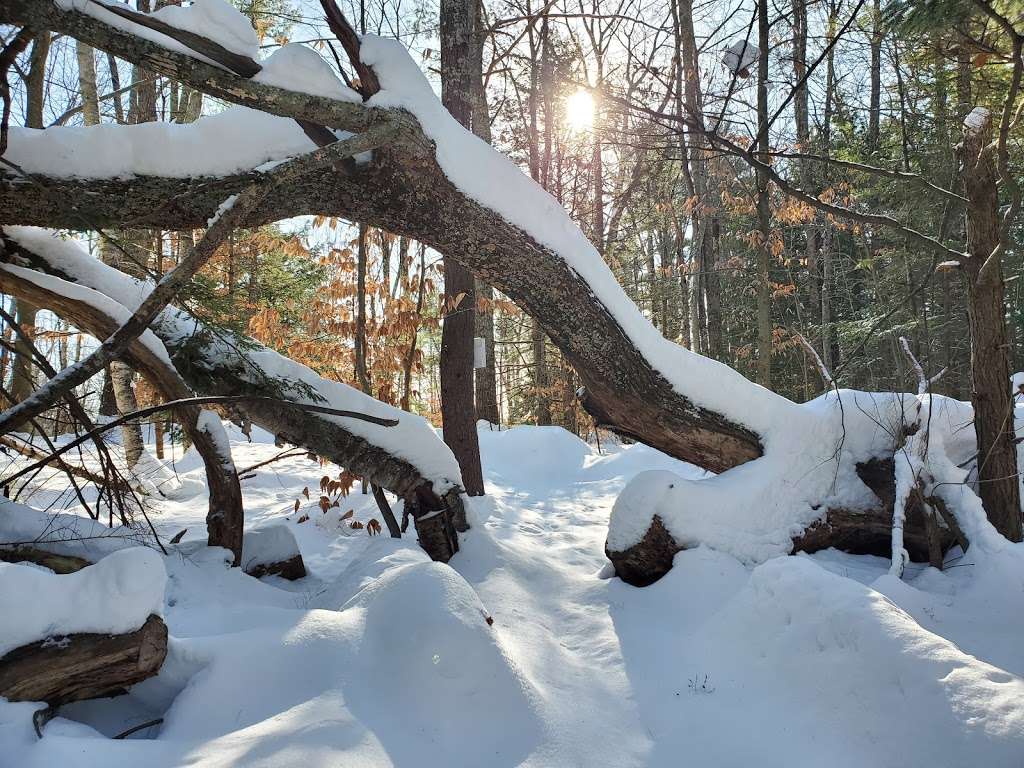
[[338, 488]]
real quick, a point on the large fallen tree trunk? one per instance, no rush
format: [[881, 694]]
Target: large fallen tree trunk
[[405, 191], [865, 530], [412, 463], [83, 666]]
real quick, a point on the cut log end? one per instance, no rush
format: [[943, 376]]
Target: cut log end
[[649, 559], [83, 666], [292, 569]]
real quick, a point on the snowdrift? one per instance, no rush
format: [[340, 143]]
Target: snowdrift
[[380, 657]]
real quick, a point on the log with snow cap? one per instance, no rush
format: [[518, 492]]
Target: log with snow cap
[[82, 635]]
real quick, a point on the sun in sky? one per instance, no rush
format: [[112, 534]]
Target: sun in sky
[[579, 110]]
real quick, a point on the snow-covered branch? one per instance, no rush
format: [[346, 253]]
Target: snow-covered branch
[[95, 24]]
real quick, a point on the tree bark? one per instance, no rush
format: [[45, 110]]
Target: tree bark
[[86, 57], [458, 410], [986, 308], [764, 288], [122, 378]]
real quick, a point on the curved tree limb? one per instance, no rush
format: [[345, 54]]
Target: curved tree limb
[[224, 518], [405, 191]]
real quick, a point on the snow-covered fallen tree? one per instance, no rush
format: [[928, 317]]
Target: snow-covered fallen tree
[[433, 181], [799, 477], [869, 473], [401, 452]]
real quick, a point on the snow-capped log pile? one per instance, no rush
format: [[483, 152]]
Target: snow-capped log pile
[[407, 458], [82, 635]]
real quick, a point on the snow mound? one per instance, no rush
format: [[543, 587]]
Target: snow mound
[[298, 68], [63, 534], [268, 544], [528, 454], [845, 661], [426, 642], [407, 669], [216, 20], [115, 595]]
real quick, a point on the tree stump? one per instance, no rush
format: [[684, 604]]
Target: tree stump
[[649, 559]]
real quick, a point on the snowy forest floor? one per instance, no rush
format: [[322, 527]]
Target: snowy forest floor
[[379, 657]]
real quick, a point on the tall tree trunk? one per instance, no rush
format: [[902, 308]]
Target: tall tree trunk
[[486, 376], [542, 408], [117, 396], [875, 105], [115, 84], [458, 411], [22, 382], [990, 367], [705, 301], [143, 94], [362, 375], [121, 376], [85, 54], [824, 239], [22, 378], [764, 295], [410, 355]]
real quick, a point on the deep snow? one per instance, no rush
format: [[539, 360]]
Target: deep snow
[[380, 657]]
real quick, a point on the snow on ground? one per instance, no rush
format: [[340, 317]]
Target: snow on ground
[[380, 657]]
